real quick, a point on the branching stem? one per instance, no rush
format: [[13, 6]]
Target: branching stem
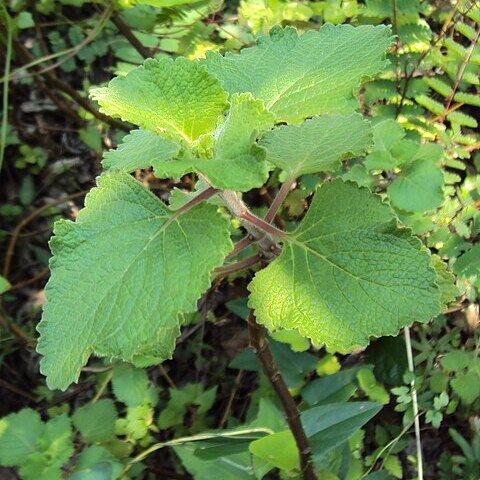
[[259, 345], [205, 195], [278, 200], [241, 245], [237, 266]]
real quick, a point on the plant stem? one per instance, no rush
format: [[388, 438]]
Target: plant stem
[[241, 245], [259, 229], [8, 61], [202, 196], [459, 76], [433, 43], [278, 200], [262, 224], [416, 416], [237, 266], [128, 34], [259, 345]]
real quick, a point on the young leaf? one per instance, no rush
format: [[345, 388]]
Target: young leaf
[[347, 273], [177, 98], [143, 149], [317, 145], [235, 150], [112, 271], [301, 76]]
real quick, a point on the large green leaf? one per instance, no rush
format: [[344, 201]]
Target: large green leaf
[[178, 98], [238, 163], [347, 273], [317, 145], [300, 76], [122, 274], [143, 149]]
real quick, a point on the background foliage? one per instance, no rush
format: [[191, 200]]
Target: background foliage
[[206, 412]]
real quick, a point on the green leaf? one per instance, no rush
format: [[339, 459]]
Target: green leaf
[[467, 386], [394, 466], [297, 77], [347, 273], [177, 98], [96, 421], [468, 264], [88, 463], [296, 342], [19, 433], [278, 448], [38, 449], [338, 387], [143, 149], [235, 150], [136, 423], [445, 281], [232, 467], [119, 250], [456, 360], [328, 426], [4, 284], [418, 188], [317, 145], [386, 135], [54, 448], [131, 385], [373, 390]]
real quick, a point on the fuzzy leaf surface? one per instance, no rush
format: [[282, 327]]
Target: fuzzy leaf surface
[[235, 149], [347, 273], [143, 149], [113, 272], [317, 145], [177, 98], [316, 73]]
